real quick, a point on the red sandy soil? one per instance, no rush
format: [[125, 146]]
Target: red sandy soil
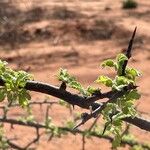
[[93, 31]]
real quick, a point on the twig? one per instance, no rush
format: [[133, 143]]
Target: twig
[[13, 145], [34, 103], [83, 142], [94, 123], [34, 140], [80, 101]]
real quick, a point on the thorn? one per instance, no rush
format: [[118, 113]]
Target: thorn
[[11, 126], [105, 127], [78, 125], [90, 107], [84, 119], [128, 52], [84, 116], [134, 33], [63, 86]]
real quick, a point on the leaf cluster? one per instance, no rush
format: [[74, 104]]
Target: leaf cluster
[[13, 88], [121, 107], [72, 82]]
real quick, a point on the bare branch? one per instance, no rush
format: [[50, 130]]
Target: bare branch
[[83, 142], [94, 123], [13, 145], [92, 133], [34, 140]]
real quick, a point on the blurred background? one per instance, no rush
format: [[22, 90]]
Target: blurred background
[[42, 36]]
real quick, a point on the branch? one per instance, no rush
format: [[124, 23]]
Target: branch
[[92, 133], [14, 146], [96, 112], [83, 102], [71, 98], [139, 122], [40, 103], [75, 99]]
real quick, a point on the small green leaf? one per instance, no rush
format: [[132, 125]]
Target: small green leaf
[[2, 95], [120, 82], [138, 147], [116, 142], [64, 76], [91, 90], [105, 80], [133, 95], [121, 58], [63, 103], [23, 100], [109, 63], [70, 124], [75, 85], [132, 73]]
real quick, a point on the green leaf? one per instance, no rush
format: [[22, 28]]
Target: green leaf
[[132, 112], [118, 88], [22, 78], [133, 95], [138, 147], [11, 96], [132, 73], [63, 103], [2, 67], [30, 118], [75, 85], [91, 90], [121, 58], [119, 116], [109, 63], [14, 85], [116, 142], [105, 80], [71, 81], [23, 101], [2, 95], [117, 122], [120, 82], [70, 124], [64, 76]]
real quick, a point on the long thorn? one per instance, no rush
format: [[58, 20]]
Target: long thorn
[[128, 52]]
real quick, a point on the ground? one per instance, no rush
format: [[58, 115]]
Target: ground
[[43, 36]]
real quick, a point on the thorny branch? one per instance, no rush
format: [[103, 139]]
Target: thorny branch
[[74, 99], [80, 101], [114, 97], [77, 131], [143, 124]]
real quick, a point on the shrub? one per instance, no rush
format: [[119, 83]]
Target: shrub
[[129, 4]]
